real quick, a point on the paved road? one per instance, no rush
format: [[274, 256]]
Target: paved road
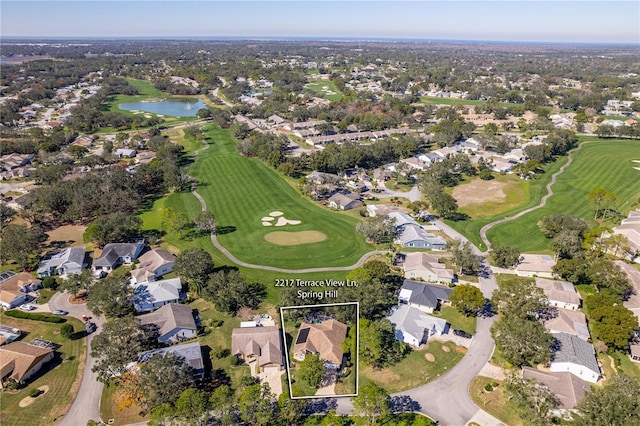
[[543, 201], [86, 406]]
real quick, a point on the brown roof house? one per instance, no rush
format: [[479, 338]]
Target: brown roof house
[[561, 294], [539, 265], [175, 322], [324, 338], [426, 266], [261, 344], [19, 361], [152, 265], [569, 389], [342, 201], [570, 322]]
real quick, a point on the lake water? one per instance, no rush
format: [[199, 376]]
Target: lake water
[[172, 107]]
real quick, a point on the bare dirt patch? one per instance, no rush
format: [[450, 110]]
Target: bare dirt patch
[[446, 348], [462, 349], [478, 192], [284, 238], [429, 357], [66, 236]]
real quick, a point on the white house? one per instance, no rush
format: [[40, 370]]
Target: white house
[[15, 288], [540, 265], [413, 326], [68, 261], [426, 266], [152, 265], [576, 356], [561, 294], [175, 322], [152, 295]]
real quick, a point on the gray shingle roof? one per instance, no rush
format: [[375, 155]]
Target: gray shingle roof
[[426, 294], [570, 348]]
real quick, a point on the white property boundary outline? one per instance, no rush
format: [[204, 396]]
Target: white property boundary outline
[[356, 363]]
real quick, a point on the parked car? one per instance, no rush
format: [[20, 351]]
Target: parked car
[[27, 307], [90, 327], [462, 333], [59, 312]]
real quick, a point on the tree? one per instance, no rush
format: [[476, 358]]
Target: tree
[[467, 298], [555, 224], [616, 404], [119, 344], [372, 402], [257, 405], [162, 379], [230, 292], [378, 345], [533, 401], [114, 227], [66, 331], [379, 229], [111, 297], [601, 199], [312, 370], [519, 297], [504, 256], [291, 412], [174, 221], [206, 221], [490, 129], [19, 242], [610, 320], [464, 257], [194, 265], [78, 282], [522, 341], [192, 407], [221, 403], [444, 204], [6, 213]]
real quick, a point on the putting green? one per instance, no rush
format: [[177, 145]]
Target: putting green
[[284, 238]]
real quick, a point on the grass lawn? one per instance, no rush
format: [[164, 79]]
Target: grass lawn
[[457, 320], [599, 164], [414, 370], [45, 295], [452, 101], [627, 366], [494, 402], [240, 191], [516, 193], [326, 89], [109, 409], [62, 377]]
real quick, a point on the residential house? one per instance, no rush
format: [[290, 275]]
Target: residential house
[[570, 322], [566, 387], [561, 294], [152, 265], [417, 237], [15, 160], [324, 339], [630, 228], [427, 267], [175, 322], [381, 176], [430, 157], [145, 157], [19, 361], [634, 353], [414, 326], [69, 261], [115, 254], [426, 297], [381, 209], [500, 165], [576, 356], [277, 120], [531, 265], [190, 352], [152, 295], [125, 153], [85, 141], [9, 334], [342, 201], [260, 344], [416, 163], [15, 288]]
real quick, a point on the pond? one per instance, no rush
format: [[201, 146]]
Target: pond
[[172, 107]]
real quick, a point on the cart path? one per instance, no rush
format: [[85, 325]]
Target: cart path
[[231, 257], [543, 200]]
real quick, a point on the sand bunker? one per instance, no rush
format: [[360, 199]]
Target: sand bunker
[[267, 224], [276, 214], [28, 400], [282, 222], [479, 191], [268, 219], [284, 238]]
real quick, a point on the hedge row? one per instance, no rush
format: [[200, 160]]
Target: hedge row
[[35, 317]]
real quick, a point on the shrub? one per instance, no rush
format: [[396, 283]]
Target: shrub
[[50, 282], [221, 353], [488, 387], [67, 331], [233, 360], [35, 317], [33, 393]]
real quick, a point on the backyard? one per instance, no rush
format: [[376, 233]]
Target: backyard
[[62, 375]]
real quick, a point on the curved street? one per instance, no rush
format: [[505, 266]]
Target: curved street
[[86, 406]]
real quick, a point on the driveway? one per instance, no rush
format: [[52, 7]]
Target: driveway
[[86, 406]]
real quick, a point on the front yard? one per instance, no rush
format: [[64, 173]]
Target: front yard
[[62, 375]]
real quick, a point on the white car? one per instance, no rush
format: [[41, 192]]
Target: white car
[[27, 307]]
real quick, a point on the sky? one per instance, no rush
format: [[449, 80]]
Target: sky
[[508, 20]]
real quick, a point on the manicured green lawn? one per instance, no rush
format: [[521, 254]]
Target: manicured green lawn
[[326, 89], [240, 191], [601, 164], [494, 402], [457, 320], [62, 376], [414, 370], [453, 101]]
